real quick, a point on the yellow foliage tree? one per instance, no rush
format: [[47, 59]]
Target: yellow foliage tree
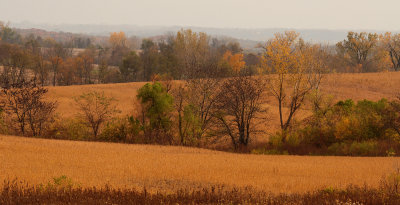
[[295, 70], [391, 43], [192, 51], [118, 39]]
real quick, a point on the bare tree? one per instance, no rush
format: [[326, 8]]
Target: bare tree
[[96, 108], [392, 46], [239, 104], [15, 61], [25, 103], [40, 68]]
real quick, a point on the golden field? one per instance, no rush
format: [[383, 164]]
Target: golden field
[[166, 168], [169, 168]]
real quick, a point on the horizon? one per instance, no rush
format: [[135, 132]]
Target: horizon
[[13, 23], [226, 14]]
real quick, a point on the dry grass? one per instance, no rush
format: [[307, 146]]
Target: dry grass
[[171, 168], [372, 86], [124, 93]]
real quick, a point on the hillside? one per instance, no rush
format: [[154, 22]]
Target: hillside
[[372, 86], [166, 168]]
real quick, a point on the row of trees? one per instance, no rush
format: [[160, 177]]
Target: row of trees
[[182, 56], [209, 107], [203, 104], [216, 97]]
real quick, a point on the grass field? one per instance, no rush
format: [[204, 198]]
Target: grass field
[[169, 168]]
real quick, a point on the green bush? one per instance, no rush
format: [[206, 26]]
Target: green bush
[[71, 129], [276, 140], [122, 130], [269, 151], [365, 148]]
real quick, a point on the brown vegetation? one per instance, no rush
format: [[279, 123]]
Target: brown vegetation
[[16, 192]]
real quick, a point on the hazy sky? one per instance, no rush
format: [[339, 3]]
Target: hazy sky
[[324, 14]]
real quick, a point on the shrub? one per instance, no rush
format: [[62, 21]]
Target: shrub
[[122, 130], [348, 128], [60, 183], [71, 129], [366, 148], [391, 183]]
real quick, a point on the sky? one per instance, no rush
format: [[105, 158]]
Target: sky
[[297, 14]]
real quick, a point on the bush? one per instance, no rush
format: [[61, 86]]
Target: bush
[[71, 129], [365, 148], [365, 128], [122, 130], [269, 151]]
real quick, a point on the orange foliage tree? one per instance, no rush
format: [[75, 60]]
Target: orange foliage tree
[[235, 61]]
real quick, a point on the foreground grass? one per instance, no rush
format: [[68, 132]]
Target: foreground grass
[[16, 192], [169, 168]]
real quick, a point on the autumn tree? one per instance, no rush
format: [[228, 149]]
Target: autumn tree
[[392, 45], [96, 109], [71, 71], [357, 48], [149, 56], [157, 106], [103, 71], [87, 57], [118, 39], [56, 54], [15, 61], [239, 104], [295, 71], [8, 35], [119, 47], [40, 67], [235, 61], [195, 102], [167, 59], [24, 102], [131, 67], [192, 50]]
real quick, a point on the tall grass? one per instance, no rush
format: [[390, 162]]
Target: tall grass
[[17, 192]]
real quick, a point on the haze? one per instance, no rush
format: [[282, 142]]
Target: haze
[[310, 14]]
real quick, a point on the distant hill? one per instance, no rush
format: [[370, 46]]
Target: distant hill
[[248, 38]]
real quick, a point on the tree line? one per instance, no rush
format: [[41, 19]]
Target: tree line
[[220, 94], [183, 55]]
